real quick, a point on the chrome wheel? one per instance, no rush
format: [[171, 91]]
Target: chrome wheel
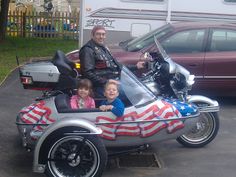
[[203, 132], [76, 156]]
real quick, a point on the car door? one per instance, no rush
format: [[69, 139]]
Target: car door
[[186, 47], [220, 62]]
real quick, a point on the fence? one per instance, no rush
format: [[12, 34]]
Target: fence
[[43, 24]]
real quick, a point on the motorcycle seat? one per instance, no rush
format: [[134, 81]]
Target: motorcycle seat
[[64, 65], [62, 102]]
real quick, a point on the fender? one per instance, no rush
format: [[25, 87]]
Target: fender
[[88, 127], [212, 105]]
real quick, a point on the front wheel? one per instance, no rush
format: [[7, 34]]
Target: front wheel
[[76, 156], [203, 132]]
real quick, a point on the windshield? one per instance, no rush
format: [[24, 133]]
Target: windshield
[[136, 92], [160, 49], [147, 39]]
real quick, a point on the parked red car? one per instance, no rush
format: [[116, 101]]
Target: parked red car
[[207, 50]]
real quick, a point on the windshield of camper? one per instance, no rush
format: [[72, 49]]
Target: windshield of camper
[[147, 39], [136, 92]]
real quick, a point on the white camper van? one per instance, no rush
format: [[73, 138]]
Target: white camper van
[[131, 18]]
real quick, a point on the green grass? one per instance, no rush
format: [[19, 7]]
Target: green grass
[[28, 48]]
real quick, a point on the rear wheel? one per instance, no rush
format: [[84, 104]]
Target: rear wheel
[[76, 156], [203, 132]]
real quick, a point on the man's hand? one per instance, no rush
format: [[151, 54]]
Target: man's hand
[[140, 65]]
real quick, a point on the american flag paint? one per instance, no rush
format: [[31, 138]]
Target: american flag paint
[[37, 113], [161, 110]]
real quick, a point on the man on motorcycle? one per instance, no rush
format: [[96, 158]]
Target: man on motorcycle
[[97, 63]]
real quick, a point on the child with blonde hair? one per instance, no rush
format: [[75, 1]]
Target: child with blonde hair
[[113, 103]]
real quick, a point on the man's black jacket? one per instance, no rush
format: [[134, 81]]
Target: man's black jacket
[[97, 63]]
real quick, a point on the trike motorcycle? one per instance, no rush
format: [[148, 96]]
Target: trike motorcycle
[[69, 142]]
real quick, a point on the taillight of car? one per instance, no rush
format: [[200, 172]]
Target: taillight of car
[[26, 80]]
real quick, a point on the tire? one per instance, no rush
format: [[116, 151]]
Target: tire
[[203, 132], [80, 156]]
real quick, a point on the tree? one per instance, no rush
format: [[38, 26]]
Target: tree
[[3, 18]]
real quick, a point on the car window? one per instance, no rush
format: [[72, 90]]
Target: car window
[[147, 39], [190, 41], [223, 40], [230, 1]]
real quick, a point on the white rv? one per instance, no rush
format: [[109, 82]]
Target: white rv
[[130, 18]]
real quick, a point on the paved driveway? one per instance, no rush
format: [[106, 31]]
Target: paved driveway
[[215, 160]]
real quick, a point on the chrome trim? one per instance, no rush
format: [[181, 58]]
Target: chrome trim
[[199, 77], [215, 77], [209, 109], [77, 133], [27, 124], [172, 65], [190, 80], [221, 77], [148, 121]]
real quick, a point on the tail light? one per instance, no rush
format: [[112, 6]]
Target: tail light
[[77, 65], [26, 80]]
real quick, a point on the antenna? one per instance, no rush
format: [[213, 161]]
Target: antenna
[[18, 63], [17, 60]]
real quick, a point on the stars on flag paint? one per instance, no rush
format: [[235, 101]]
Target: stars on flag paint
[[186, 109]]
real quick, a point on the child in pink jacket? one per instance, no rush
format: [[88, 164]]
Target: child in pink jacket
[[83, 98]]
